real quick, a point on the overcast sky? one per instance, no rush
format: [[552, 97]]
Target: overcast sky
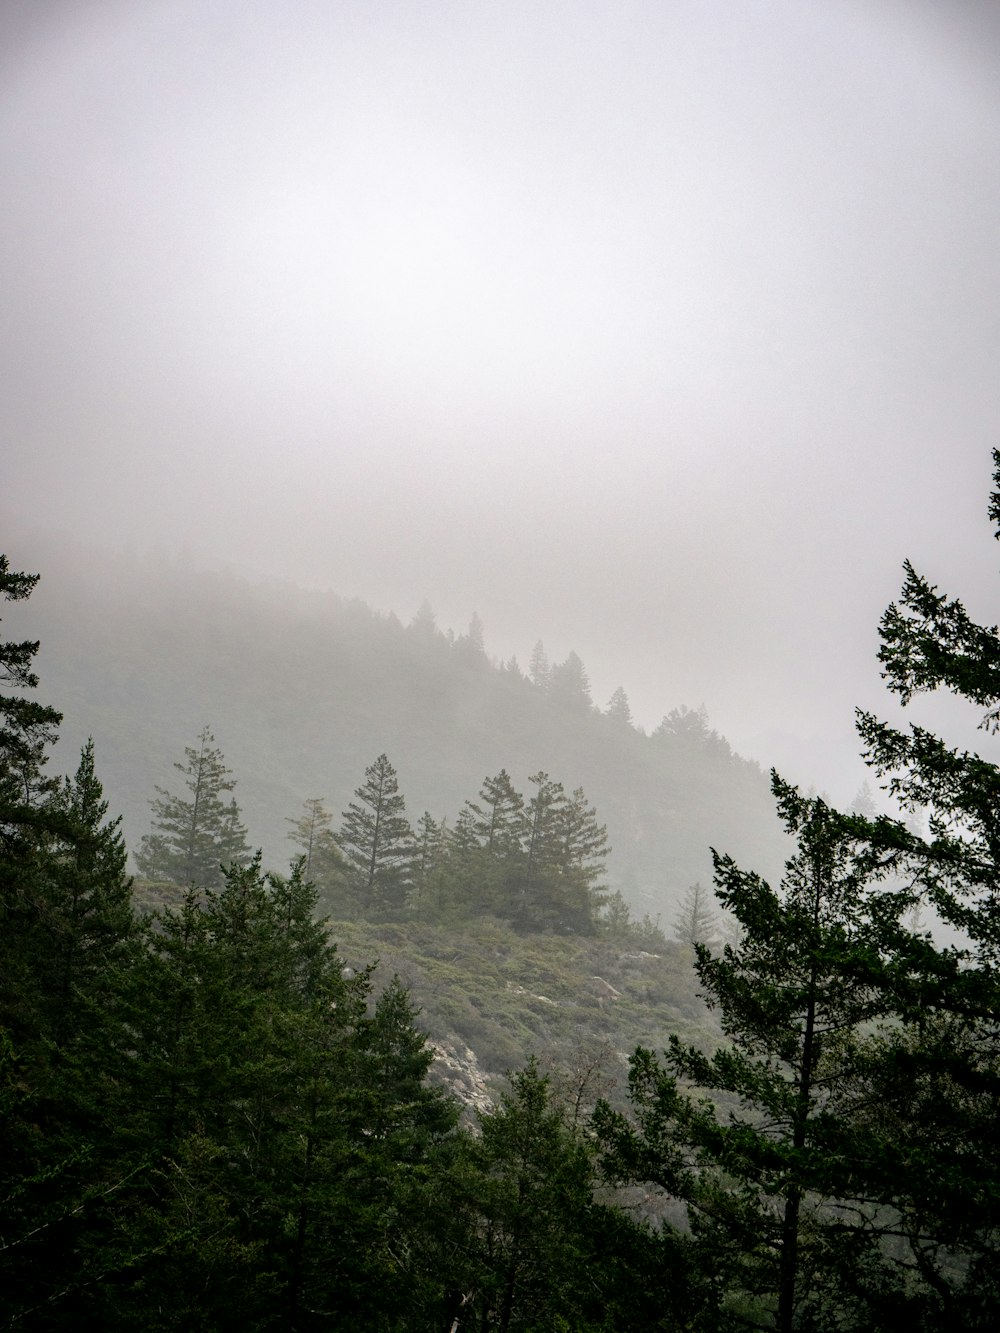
[[658, 331]]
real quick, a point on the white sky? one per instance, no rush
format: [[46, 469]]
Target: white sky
[[660, 331]]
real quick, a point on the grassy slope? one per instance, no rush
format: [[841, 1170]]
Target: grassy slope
[[573, 1001]]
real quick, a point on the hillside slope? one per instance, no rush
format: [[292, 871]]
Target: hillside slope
[[302, 690]]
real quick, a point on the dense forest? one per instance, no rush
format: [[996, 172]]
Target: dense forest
[[213, 1119]]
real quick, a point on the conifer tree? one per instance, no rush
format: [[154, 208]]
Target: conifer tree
[[497, 821], [314, 821], [538, 666], [522, 1208], [429, 863], [90, 915], [569, 685], [936, 1075], [27, 728], [619, 710], [193, 837], [474, 641], [65, 930], [767, 1182], [581, 867], [697, 922], [377, 840]]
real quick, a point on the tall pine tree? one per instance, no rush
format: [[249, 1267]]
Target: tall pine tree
[[378, 842], [195, 836]]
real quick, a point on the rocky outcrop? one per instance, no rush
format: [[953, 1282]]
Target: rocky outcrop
[[458, 1071]]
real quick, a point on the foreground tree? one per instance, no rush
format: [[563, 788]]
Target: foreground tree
[[796, 999], [27, 728], [842, 1172], [65, 935], [193, 837], [936, 1077]]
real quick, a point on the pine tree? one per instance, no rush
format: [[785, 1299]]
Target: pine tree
[[521, 1210], [194, 837], [27, 728], [429, 863], [89, 907], [936, 1076], [555, 885], [497, 816], [697, 922], [619, 709], [569, 686], [27, 818], [531, 907], [424, 623], [65, 932], [769, 1179], [308, 828], [538, 667], [377, 840], [584, 847], [474, 641]]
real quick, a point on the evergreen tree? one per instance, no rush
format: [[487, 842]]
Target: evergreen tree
[[527, 1187], [429, 863], [696, 921], [27, 727], [233, 847], [767, 1181], [936, 1075], [530, 906], [538, 667], [377, 840], [314, 821], [569, 685], [424, 623], [89, 907], [65, 930], [584, 849], [556, 882], [618, 709], [27, 818], [324, 864], [474, 641], [497, 816], [689, 728], [194, 837]]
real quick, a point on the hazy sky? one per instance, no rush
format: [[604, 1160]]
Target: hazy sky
[[660, 331]]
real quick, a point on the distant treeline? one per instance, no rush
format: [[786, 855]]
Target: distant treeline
[[536, 864], [303, 689]]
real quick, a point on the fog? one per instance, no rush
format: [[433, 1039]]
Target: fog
[[662, 333]]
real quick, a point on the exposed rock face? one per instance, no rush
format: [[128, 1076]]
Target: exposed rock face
[[519, 990], [456, 1069], [604, 991]]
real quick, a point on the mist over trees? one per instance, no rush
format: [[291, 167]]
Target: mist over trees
[[301, 690], [210, 1120]]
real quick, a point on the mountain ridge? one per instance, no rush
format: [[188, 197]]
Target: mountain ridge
[[302, 689]]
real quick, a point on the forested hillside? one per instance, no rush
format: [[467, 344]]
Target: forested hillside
[[216, 1112], [302, 690]]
